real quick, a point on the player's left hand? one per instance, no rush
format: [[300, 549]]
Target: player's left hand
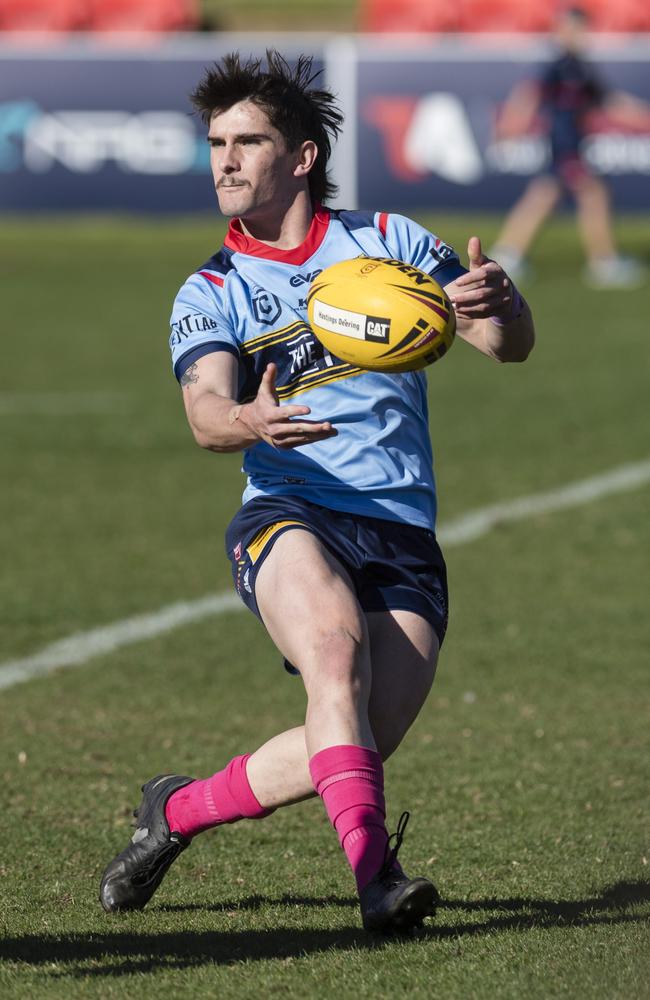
[[486, 289]]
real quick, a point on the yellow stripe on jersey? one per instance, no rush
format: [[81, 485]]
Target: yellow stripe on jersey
[[316, 379], [273, 338], [263, 537]]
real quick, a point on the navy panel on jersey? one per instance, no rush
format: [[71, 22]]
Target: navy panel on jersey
[[221, 262], [354, 220]]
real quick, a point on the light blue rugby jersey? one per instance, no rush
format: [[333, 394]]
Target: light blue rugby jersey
[[250, 299]]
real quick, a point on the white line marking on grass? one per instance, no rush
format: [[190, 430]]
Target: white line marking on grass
[[478, 522], [82, 646], [79, 648]]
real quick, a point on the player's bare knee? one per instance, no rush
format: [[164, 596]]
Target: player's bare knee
[[335, 659]]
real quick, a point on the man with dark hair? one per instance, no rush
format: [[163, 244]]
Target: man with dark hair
[[281, 94], [334, 546]]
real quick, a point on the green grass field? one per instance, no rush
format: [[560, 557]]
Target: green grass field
[[527, 773]]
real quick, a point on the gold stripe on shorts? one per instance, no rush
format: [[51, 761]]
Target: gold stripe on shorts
[[257, 544]]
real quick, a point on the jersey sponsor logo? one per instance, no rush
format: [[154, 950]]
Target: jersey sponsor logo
[[304, 354], [303, 363], [440, 251], [183, 328], [304, 279], [266, 306]]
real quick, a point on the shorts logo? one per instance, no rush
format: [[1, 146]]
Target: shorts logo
[[237, 551], [266, 306]]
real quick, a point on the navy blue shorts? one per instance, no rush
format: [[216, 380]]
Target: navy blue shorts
[[392, 565]]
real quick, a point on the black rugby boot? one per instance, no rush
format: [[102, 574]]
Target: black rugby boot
[[133, 876], [392, 902]]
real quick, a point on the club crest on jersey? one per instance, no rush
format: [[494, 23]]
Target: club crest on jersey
[[266, 306]]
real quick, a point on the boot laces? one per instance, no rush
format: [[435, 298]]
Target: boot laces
[[392, 849]]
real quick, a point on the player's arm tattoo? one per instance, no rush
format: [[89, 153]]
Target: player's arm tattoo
[[191, 376]]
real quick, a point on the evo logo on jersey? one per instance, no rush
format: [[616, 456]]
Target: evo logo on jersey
[[304, 279]]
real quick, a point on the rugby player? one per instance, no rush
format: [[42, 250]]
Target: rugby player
[[567, 92], [334, 547]]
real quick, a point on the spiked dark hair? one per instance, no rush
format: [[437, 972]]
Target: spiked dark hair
[[286, 94]]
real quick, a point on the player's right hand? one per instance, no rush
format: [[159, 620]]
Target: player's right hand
[[278, 425]]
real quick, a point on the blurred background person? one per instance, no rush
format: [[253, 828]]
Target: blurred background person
[[565, 93]]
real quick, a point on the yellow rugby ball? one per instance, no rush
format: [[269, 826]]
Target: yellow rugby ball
[[381, 314]]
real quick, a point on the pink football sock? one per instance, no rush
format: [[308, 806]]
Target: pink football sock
[[224, 798], [350, 781]]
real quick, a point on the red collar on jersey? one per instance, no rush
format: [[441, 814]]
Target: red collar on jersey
[[238, 241]]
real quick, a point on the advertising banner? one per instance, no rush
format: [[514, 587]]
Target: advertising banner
[[427, 135], [90, 127], [94, 129]]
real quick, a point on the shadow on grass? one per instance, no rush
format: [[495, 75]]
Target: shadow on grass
[[126, 952], [255, 903]]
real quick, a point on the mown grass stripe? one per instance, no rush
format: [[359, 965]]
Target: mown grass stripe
[[77, 649]]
